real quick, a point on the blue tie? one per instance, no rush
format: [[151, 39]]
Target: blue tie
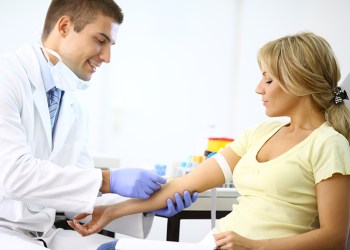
[[54, 103]]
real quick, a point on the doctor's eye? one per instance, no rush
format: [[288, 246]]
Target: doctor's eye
[[101, 41]]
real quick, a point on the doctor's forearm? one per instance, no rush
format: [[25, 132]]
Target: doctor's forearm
[[105, 186]]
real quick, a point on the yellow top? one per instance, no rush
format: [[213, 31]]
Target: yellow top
[[278, 197]]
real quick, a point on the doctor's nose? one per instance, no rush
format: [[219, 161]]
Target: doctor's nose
[[105, 54]]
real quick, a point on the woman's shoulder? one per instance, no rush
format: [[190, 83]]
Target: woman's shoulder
[[327, 135]]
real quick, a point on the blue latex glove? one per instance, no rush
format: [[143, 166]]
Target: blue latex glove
[[135, 182], [180, 204], [108, 246]]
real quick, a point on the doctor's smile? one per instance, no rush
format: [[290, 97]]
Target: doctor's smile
[[94, 65]]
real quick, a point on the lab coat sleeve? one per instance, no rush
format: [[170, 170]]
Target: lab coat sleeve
[[23, 176], [44, 184]]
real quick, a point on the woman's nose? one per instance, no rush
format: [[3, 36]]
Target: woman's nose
[[259, 89]]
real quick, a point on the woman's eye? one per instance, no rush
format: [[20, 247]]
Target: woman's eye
[[268, 82]]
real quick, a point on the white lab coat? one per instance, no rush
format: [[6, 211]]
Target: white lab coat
[[35, 180]]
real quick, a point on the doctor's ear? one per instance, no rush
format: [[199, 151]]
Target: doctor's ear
[[64, 24]]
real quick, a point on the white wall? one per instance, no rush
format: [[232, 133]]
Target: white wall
[[20, 21], [170, 80]]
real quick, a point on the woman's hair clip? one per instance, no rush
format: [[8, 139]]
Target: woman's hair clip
[[340, 95]]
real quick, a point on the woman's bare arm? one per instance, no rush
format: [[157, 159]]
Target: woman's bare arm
[[205, 176]]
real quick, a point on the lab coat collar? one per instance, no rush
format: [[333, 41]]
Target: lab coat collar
[[30, 63], [26, 56]]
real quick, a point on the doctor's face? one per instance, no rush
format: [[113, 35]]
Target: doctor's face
[[85, 51]]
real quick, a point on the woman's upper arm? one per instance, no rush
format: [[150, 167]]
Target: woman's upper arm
[[209, 174], [231, 157], [333, 200]]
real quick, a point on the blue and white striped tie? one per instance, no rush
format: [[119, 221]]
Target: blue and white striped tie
[[54, 102]]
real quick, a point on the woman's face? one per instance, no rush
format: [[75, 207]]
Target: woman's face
[[276, 101]]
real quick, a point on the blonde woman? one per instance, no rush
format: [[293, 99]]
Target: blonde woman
[[293, 176]]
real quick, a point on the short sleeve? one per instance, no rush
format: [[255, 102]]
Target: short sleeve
[[242, 144], [239, 145], [332, 157]]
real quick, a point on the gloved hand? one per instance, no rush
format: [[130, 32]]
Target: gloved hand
[[180, 204], [135, 182]]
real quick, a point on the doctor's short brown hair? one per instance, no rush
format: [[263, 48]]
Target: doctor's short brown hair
[[81, 12]]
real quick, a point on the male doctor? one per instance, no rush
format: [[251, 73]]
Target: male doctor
[[44, 164]]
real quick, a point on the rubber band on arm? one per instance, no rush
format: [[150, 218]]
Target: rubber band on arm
[[220, 159]]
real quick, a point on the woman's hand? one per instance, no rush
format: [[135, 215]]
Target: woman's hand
[[232, 240], [100, 218]]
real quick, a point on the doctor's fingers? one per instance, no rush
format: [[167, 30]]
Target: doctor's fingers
[[147, 189], [158, 179], [152, 185], [190, 199], [141, 194], [179, 202]]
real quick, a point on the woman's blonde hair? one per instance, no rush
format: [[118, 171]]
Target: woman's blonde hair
[[305, 64]]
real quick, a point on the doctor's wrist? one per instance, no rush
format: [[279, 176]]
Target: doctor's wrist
[[105, 187]]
